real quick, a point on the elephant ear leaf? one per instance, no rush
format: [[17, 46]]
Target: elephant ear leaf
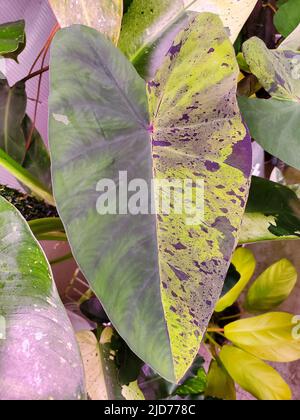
[[165, 271], [39, 356]]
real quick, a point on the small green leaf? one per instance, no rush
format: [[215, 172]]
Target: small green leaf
[[272, 287], [194, 385], [244, 262], [272, 212], [12, 39], [287, 17], [219, 383], [253, 375], [269, 336]]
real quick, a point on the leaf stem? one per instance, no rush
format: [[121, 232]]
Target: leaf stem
[[26, 178]]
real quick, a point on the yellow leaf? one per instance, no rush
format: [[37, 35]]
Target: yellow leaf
[[244, 262], [219, 383], [103, 15], [132, 392], [272, 287], [254, 376], [269, 336]]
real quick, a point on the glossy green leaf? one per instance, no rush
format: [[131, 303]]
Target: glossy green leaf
[[103, 15], [100, 369], [197, 132], [287, 17], [149, 26], [283, 121], [39, 357], [272, 212], [219, 383], [272, 287], [244, 263], [254, 376], [13, 102], [12, 39], [269, 336]]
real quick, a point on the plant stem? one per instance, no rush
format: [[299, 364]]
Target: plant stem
[[32, 75], [216, 330], [61, 259], [55, 236], [25, 177], [209, 337], [47, 225], [228, 318]]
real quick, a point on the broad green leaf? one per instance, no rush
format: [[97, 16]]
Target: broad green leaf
[[272, 212], [269, 336], [244, 263], [278, 71], [149, 26], [219, 383], [103, 15], [13, 102], [37, 158], [132, 392], [292, 42], [283, 121], [165, 266], [254, 376], [272, 287], [12, 39], [39, 357], [287, 17], [100, 370]]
